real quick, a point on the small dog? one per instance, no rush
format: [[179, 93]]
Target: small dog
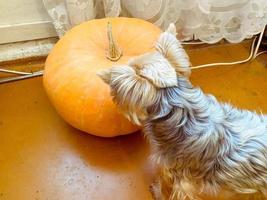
[[200, 145]]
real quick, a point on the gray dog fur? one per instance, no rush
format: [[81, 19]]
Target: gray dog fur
[[199, 144]]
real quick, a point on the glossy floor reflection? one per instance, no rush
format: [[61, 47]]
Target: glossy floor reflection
[[43, 158]]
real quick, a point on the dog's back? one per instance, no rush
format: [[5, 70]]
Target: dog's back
[[245, 168]]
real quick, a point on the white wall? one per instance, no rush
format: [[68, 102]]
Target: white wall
[[22, 20]]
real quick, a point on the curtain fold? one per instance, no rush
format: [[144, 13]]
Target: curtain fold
[[206, 20]]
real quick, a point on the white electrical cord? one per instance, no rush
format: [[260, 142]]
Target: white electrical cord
[[16, 78], [262, 52], [258, 44], [14, 72], [253, 54]]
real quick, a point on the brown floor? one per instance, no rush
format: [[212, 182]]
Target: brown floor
[[43, 158]]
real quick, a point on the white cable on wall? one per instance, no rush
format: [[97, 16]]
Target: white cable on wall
[[229, 63], [259, 42], [253, 54]]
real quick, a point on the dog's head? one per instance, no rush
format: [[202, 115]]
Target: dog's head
[[137, 86]]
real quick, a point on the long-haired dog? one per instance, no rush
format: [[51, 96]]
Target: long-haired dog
[[200, 145]]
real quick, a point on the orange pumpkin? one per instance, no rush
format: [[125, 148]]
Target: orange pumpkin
[[70, 79]]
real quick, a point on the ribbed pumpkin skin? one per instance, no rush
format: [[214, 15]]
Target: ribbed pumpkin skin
[[70, 79]]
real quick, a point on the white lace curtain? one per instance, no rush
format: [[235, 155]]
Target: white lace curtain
[[206, 20]]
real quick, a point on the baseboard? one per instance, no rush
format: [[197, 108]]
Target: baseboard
[[24, 50], [26, 31]]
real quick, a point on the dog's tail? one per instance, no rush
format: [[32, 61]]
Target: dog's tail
[[173, 51]]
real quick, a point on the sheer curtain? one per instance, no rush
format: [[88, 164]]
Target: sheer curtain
[[206, 20]]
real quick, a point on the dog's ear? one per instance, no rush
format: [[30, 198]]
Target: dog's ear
[[171, 29], [155, 68], [172, 50], [105, 75]]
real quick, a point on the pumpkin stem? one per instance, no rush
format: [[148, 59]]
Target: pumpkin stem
[[114, 52]]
